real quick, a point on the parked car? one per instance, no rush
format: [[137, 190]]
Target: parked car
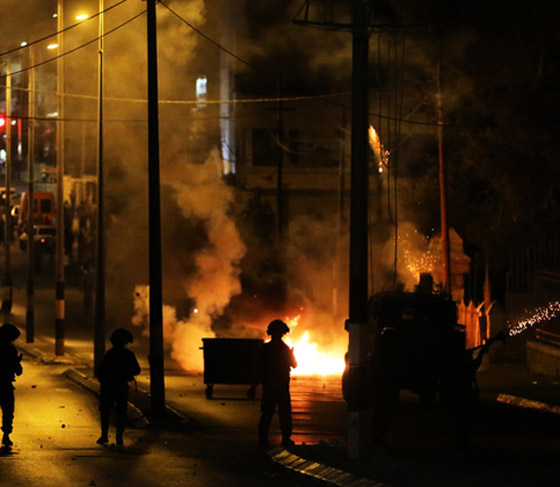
[[44, 237]]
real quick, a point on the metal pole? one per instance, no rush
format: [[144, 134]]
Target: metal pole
[[30, 312], [358, 415], [279, 170], [446, 285], [59, 293], [157, 387], [99, 312], [7, 281]]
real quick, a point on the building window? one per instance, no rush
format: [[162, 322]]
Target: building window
[[201, 90]]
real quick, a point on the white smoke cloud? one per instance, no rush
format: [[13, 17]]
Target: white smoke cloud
[[201, 194]]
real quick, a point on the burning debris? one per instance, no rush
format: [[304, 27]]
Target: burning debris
[[381, 154], [311, 359]]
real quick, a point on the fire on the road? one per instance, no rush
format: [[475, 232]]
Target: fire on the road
[[311, 359]]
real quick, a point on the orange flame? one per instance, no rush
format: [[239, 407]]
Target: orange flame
[[381, 155], [311, 360]]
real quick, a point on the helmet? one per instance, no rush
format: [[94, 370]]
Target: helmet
[[9, 332], [121, 336], [277, 327]]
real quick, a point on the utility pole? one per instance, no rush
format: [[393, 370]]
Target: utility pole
[[30, 311], [7, 281], [358, 414], [157, 385], [446, 287], [357, 324], [227, 27], [99, 312], [59, 293], [280, 170]]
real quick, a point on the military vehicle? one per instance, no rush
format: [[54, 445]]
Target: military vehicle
[[416, 344]]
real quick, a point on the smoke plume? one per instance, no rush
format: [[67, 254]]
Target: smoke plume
[[203, 196]]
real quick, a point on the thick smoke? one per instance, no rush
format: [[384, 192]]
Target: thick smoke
[[316, 267], [30, 22], [202, 195]]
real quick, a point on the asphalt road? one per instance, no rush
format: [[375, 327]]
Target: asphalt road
[[56, 425], [511, 446], [319, 411]]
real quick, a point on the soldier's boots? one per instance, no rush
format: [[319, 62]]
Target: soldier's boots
[[102, 440], [6, 440]]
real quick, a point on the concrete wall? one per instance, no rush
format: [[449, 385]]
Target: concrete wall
[[543, 359]]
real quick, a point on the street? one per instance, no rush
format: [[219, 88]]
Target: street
[[218, 446], [56, 425], [218, 443]]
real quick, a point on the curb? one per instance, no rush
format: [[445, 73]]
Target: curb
[[528, 403], [50, 359], [318, 471], [92, 385]]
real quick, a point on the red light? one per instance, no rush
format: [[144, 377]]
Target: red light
[[2, 121]]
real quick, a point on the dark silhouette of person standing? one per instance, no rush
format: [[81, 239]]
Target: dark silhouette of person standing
[[273, 363], [117, 369], [10, 366]]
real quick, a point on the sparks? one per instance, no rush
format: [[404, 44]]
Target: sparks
[[417, 260], [544, 313], [381, 155]]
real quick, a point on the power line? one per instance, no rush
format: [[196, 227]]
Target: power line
[[219, 46], [187, 102], [29, 44], [81, 46], [209, 39], [326, 98]]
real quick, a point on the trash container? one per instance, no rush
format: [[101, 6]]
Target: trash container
[[230, 361]]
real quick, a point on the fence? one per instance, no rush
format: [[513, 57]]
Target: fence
[[469, 316]]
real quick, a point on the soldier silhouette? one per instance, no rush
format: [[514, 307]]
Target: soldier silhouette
[[273, 363], [117, 369], [10, 366]]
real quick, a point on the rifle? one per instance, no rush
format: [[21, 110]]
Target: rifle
[[501, 335]]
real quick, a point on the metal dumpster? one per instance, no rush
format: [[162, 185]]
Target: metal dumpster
[[230, 361]]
